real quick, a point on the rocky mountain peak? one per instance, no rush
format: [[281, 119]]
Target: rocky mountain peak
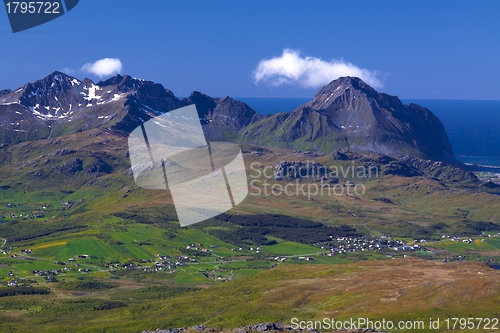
[[349, 114], [204, 104], [344, 88], [53, 95], [58, 76], [233, 114], [123, 83], [55, 84]]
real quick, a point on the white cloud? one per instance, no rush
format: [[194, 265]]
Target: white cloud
[[309, 72], [103, 67]]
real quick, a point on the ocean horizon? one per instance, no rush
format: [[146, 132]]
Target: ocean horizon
[[473, 126]]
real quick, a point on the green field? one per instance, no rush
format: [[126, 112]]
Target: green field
[[290, 248]]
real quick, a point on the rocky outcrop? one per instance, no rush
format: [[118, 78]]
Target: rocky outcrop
[[310, 170], [408, 166], [262, 327]]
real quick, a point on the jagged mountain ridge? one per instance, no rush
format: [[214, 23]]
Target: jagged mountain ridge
[[60, 104], [345, 114]]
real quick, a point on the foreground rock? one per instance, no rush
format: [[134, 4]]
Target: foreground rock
[[262, 327]]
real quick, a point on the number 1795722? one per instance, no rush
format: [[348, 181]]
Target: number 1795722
[[32, 7]]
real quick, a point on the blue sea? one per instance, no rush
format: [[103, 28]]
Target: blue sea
[[473, 127]]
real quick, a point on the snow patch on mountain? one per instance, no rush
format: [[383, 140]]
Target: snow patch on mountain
[[92, 92]]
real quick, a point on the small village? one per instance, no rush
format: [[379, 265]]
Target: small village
[[193, 254]]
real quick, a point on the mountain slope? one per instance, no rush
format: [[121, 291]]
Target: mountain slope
[[345, 114], [349, 114]]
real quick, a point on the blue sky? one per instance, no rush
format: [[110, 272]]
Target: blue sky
[[413, 49]]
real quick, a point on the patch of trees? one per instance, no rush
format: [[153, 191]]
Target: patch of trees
[[384, 200], [16, 231], [253, 229], [144, 242], [108, 239], [86, 285], [160, 217], [231, 236], [170, 234], [92, 304], [12, 291], [108, 305], [480, 226]]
